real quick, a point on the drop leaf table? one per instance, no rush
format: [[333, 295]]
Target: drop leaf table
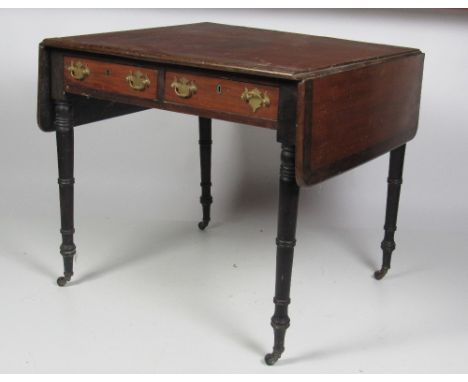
[[334, 104]]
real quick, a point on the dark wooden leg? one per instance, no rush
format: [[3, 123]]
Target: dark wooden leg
[[285, 242], [64, 133], [205, 164], [395, 179]]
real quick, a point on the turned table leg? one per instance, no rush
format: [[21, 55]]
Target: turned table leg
[[395, 180], [285, 242], [205, 165], [64, 133]]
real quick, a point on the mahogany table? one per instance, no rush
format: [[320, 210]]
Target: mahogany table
[[334, 104]]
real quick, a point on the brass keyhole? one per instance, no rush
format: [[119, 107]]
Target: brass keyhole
[[218, 89]]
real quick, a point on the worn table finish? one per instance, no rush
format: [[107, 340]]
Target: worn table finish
[[334, 105]]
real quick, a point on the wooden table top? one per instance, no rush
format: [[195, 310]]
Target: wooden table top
[[235, 49], [340, 102]]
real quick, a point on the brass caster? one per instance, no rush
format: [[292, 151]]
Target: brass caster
[[379, 275], [271, 358], [62, 280], [203, 224]]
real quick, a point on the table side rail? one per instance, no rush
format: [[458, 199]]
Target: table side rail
[[228, 96]]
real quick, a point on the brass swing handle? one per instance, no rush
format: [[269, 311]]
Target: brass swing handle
[[78, 70], [138, 80], [255, 98], [183, 87]]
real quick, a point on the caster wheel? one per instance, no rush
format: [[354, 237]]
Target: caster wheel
[[62, 280], [271, 359], [202, 225], [379, 275]]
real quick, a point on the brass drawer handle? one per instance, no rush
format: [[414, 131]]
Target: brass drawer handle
[[183, 87], [138, 80], [255, 98], [78, 70]]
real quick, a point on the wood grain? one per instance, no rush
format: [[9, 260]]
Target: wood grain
[[228, 100], [109, 77], [45, 109], [356, 116], [232, 49]]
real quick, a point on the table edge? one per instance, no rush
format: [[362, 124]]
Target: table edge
[[61, 43]]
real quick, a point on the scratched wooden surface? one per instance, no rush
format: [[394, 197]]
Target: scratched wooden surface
[[351, 117], [231, 48], [341, 102]]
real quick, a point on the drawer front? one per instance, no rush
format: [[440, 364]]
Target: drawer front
[[219, 94], [134, 81]]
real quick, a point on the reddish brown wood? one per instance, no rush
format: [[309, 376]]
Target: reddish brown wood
[[239, 118], [228, 100], [334, 104], [109, 77], [45, 109], [354, 100], [350, 117], [233, 49]]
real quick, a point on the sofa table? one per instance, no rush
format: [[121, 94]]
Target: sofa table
[[334, 104]]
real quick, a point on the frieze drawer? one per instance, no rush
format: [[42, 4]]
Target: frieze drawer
[[101, 76], [222, 95]]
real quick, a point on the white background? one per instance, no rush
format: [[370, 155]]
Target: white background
[[152, 293]]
